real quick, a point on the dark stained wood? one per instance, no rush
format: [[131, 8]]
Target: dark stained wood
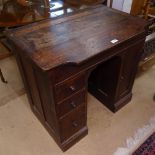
[[69, 87], [71, 103], [73, 122], [60, 59], [117, 83], [72, 40]]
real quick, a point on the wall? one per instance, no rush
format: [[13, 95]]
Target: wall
[[127, 6], [123, 5], [118, 4]]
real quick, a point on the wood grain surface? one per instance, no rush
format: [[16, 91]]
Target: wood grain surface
[[75, 38]]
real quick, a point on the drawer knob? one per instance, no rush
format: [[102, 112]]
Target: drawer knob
[[72, 88], [74, 124], [122, 77], [73, 104]]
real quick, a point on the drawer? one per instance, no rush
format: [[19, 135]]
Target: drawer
[[73, 122], [69, 87], [70, 104]]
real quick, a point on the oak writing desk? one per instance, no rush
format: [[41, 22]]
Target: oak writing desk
[[96, 49]]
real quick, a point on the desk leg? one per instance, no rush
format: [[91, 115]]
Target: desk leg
[[154, 97], [2, 77]]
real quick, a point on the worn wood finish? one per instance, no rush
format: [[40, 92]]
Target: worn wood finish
[[69, 87], [71, 103], [59, 58]]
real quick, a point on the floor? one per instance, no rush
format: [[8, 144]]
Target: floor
[[22, 134]]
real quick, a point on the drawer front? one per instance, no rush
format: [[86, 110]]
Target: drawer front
[[70, 104], [69, 87], [73, 122]]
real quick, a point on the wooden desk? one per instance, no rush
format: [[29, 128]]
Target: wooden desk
[[59, 59]]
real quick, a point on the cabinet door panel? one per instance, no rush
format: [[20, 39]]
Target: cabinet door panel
[[129, 67]]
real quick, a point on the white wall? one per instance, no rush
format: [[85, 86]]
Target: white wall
[[127, 6], [123, 5], [118, 4]]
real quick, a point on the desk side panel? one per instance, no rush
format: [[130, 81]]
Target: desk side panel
[[40, 98]]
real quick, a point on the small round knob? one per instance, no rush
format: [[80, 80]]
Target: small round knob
[[73, 104], [122, 78], [74, 124], [72, 88]]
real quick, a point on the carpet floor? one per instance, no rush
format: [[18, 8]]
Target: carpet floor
[[148, 147], [22, 134]]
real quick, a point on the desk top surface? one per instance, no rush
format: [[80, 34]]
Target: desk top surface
[[75, 38]]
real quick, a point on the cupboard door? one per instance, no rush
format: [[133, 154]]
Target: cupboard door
[[130, 62]]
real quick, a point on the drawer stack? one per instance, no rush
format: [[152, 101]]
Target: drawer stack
[[70, 97]]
